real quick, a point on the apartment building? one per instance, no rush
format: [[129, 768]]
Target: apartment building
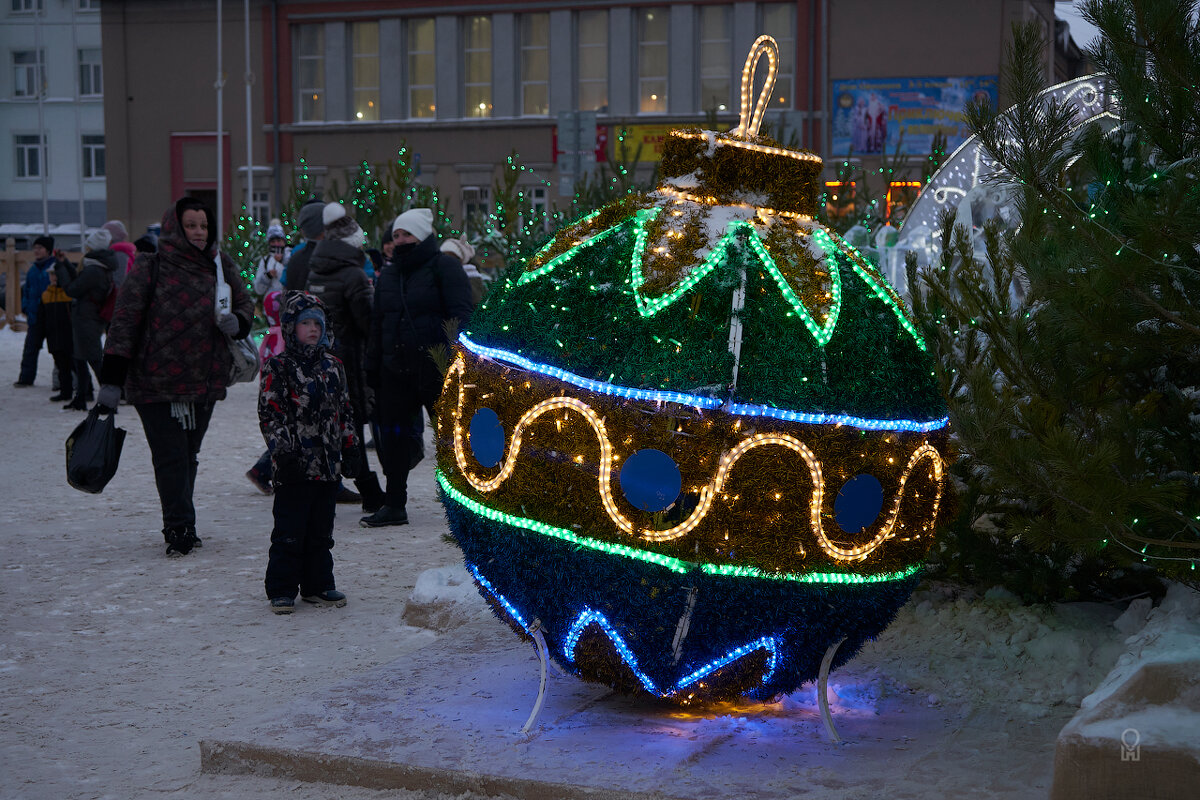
[[51, 117], [463, 83]]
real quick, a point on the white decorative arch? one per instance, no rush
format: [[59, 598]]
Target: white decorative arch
[[969, 170]]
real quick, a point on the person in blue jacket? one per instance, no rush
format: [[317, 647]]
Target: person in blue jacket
[[37, 280]]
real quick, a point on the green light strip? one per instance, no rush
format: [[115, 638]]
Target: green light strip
[[568, 255], [879, 291], [821, 333], [674, 564]]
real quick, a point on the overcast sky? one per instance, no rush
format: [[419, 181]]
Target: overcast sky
[[1082, 31]]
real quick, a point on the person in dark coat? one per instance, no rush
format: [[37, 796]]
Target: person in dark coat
[[97, 277], [167, 346], [336, 277], [37, 278], [417, 293], [55, 313], [312, 225]]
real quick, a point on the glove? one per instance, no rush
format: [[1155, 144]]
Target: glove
[[351, 459], [290, 468], [108, 398], [227, 324]]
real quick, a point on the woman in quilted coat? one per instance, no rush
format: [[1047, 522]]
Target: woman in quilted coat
[[167, 350]]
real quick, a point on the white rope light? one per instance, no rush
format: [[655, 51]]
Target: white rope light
[[709, 491], [750, 121]]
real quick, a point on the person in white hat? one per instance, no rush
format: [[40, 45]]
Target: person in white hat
[[417, 293]]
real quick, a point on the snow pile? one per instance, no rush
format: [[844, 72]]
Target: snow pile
[[1155, 686], [443, 599]]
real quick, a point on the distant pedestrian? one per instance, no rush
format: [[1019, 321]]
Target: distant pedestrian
[[268, 275], [167, 347], [97, 277], [337, 278], [126, 250], [55, 313], [419, 293], [37, 278], [306, 418], [312, 227]]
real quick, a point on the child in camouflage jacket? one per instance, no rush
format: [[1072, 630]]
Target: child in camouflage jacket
[[306, 418]]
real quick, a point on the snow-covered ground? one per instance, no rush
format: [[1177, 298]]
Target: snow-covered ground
[[115, 662]]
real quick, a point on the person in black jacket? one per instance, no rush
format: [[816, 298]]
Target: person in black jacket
[[309, 218], [336, 277], [55, 313], [416, 294], [90, 289]]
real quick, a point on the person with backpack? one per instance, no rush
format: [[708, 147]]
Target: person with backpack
[[94, 290]]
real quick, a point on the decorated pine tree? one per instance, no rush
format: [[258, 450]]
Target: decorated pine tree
[[245, 244], [1071, 353]]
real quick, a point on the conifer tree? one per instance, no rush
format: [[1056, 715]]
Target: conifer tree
[[1071, 354]]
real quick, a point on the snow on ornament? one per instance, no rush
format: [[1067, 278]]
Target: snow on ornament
[[708, 341]]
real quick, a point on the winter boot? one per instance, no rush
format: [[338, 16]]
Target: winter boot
[[347, 495], [372, 494], [282, 605], [385, 516], [179, 541], [329, 597]]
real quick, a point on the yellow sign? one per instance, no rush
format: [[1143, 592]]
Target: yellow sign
[[649, 137]]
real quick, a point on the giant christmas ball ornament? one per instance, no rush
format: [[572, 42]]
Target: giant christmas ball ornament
[[697, 441]]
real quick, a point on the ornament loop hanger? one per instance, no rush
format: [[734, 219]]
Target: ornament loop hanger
[[749, 122]]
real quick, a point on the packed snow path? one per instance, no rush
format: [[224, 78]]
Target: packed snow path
[[118, 661]]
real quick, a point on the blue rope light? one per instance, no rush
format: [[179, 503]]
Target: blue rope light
[[765, 643], [501, 599], [589, 616], [696, 401]]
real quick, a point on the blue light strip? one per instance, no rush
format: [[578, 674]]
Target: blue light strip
[[599, 387], [501, 599], [696, 401], [589, 616], [765, 643]]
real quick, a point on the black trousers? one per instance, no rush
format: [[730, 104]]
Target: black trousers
[[400, 440], [302, 538], [174, 452], [35, 336]]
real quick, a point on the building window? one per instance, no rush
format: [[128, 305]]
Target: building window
[[91, 78], [93, 155], [260, 204], [476, 205], [28, 72], [535, 64], [779, 21], [421, 68], [310, 73], [592, 34], [87, 5], [477, 67], [31, 156], [364, 69], [716, 58], [652, 59], [26, 6]]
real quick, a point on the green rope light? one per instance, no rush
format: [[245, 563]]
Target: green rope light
[[674, 564]]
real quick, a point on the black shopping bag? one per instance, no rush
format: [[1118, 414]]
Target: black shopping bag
[[93, 450]]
